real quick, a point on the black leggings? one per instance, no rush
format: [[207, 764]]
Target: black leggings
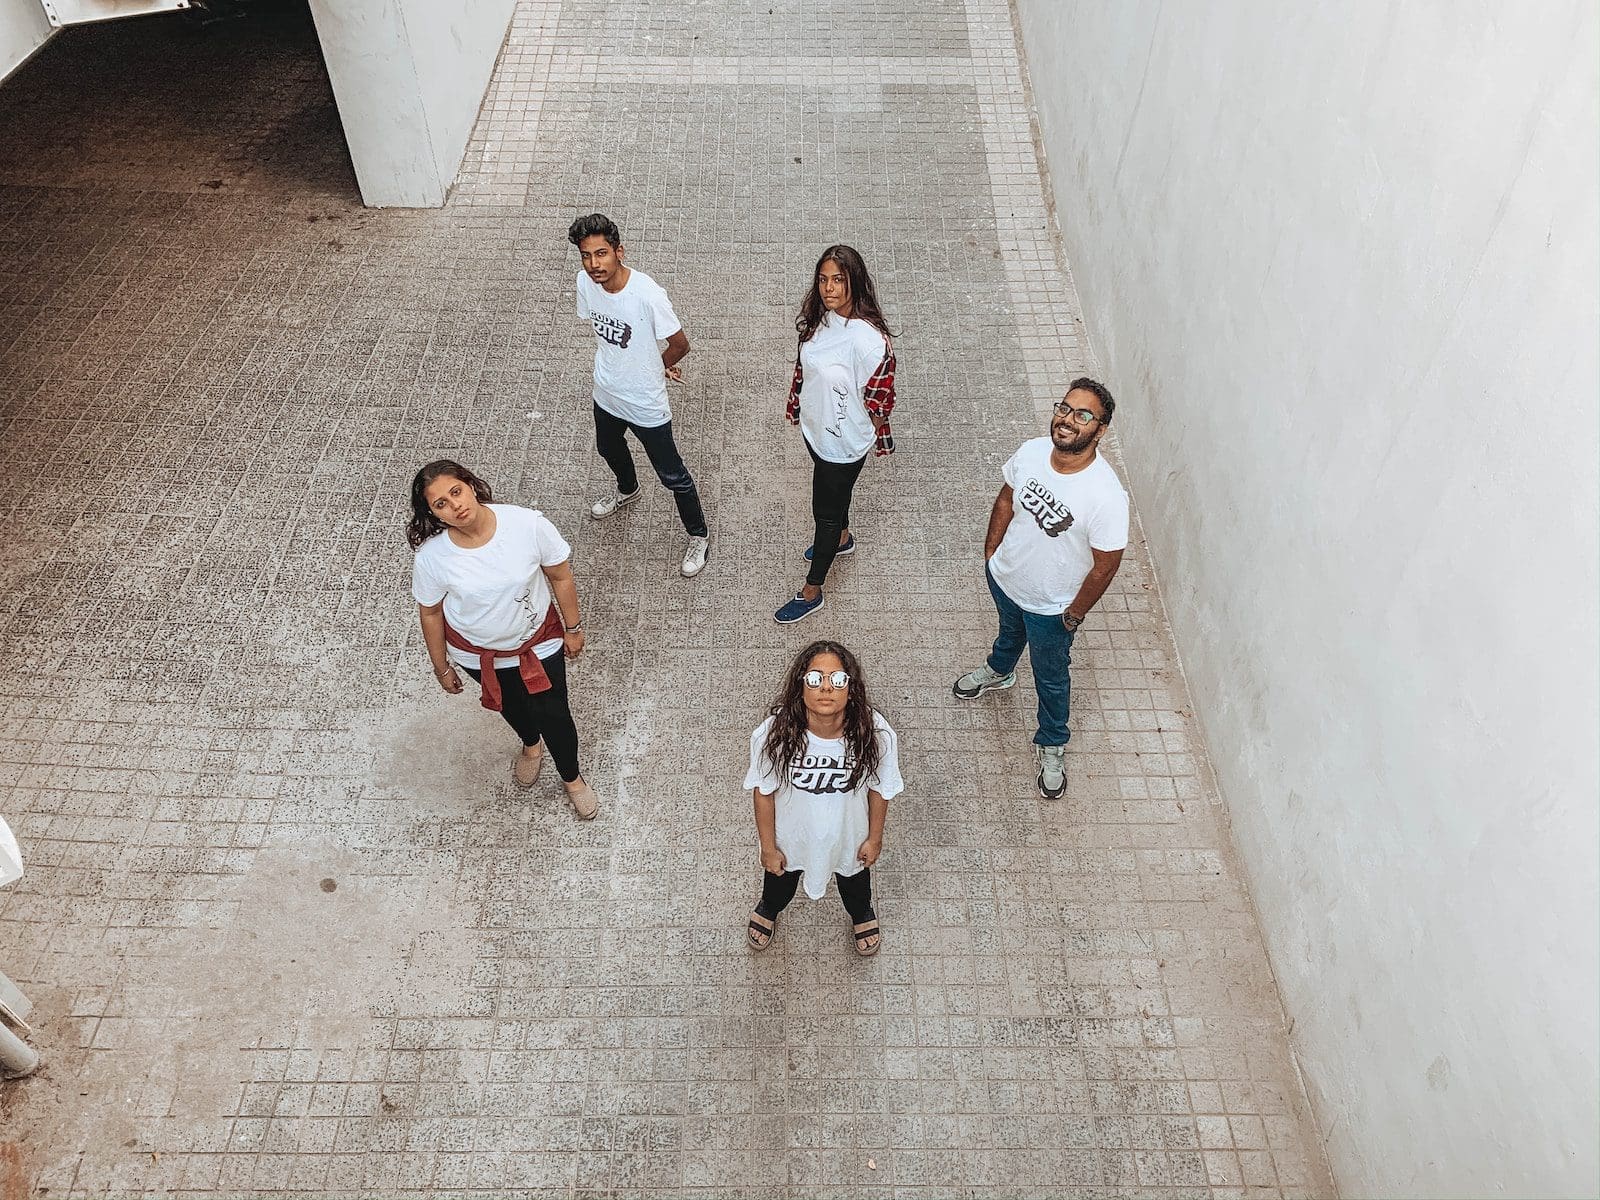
[[545, 715], [855, 890], [832, 485]]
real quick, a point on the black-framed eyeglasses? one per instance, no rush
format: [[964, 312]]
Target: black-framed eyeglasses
[[837, 680], [1081, 416]]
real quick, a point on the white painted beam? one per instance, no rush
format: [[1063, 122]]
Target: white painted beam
[[84, 12]]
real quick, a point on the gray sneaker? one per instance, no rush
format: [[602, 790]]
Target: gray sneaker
[[975, 683], [606, 505], [1052, 771]]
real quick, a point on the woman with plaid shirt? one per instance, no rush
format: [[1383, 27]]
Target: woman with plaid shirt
[[841, 398]]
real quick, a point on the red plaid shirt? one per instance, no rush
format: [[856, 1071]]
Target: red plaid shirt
[[878, 397]]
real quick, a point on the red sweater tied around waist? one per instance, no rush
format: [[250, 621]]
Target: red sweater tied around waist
[[528, 664]]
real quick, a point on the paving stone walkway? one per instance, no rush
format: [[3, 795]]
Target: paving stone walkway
[[289, 927]]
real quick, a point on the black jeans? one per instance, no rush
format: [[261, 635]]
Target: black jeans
[[832, 485], [545, 715], [855, 890], [611, 440]]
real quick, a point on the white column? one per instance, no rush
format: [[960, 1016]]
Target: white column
[[409, 76]]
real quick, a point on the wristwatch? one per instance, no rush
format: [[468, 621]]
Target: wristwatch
[[1071, 622]]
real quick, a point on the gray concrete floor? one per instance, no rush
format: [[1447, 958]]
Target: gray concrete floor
[[288, 924]]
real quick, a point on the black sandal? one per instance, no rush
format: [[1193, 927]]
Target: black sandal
[[766, 932], [861, 935]]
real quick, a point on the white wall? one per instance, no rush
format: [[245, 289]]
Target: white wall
[[23, 29], [1339, 264], [409, 77]]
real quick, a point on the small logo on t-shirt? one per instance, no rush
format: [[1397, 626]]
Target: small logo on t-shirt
[[612, 331], [1052, 516], [821, 775]]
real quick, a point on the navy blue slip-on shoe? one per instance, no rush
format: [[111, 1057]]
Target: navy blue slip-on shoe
[[797, 609], [848, 548]]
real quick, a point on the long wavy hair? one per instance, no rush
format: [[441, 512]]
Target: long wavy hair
[[422, 524], [863, 296], [786, 740]]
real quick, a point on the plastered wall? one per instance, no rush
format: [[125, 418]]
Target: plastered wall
[[1339, 264], [409, 77]]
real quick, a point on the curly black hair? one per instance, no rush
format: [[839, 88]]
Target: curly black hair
[[786, 740]]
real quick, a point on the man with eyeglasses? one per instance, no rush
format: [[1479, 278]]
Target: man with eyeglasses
[[1056, 535]]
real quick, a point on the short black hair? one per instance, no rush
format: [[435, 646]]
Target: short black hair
[[592, 224], [1100, 392]]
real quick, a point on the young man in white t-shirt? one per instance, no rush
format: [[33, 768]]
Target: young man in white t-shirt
[[1056, 535], [632, 318]]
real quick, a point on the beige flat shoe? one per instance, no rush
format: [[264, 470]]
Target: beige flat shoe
[[760, 930], [584, 802], [868, 937], [527, 767]]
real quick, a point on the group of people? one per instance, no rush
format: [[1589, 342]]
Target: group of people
[[497, 599]]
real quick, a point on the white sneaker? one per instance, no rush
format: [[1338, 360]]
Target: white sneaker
[[606, 505], [694, 557]]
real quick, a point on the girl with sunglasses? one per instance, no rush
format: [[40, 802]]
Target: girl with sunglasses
[[823, 768]]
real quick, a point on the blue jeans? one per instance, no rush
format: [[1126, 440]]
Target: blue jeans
[[663, 453], [1049, 646]]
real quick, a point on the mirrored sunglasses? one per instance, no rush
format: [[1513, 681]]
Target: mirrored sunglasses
[[836, 679]]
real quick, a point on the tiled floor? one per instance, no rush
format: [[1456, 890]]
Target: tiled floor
[[288, 925]]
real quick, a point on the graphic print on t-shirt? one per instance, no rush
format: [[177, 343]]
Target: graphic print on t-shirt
[[612, 331], [1052, 516], [525, 602], [841, 409], [822, 774]]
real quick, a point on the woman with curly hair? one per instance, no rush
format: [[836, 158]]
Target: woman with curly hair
[[823, 768], [841, 397], [496, 597]]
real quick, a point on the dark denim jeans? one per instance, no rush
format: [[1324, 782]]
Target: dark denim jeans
[[1049, 647], [611, 440]]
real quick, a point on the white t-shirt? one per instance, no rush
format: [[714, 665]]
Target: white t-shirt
[[820, 826], [495, 596], [629, 381], [1056, 519], [836, 364]]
